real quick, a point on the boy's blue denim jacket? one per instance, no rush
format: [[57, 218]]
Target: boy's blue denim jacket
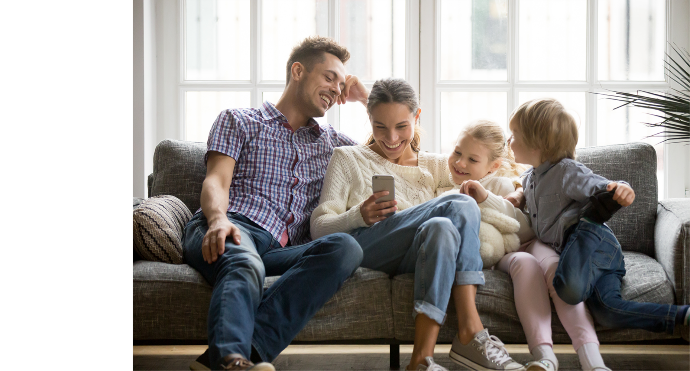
[[554, 196]]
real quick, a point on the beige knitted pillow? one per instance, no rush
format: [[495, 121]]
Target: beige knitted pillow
[[158, 227]]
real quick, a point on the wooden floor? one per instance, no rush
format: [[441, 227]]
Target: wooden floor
[[376, 357]]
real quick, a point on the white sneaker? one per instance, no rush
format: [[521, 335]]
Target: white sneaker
[[540, 365], [432, 366], [484, 352]]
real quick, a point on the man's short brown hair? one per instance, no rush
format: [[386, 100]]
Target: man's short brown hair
[[310, 52], [545, 125]]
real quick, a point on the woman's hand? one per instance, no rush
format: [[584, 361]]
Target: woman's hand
[[373, 212], [475, 190], [624, 195]]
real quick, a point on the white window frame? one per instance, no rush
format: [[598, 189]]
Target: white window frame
[[675, 155]]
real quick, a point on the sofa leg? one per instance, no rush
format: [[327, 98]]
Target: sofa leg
[[395, 356]]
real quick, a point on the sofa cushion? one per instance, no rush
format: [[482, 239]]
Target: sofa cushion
[[634, 163], [179, 170], [171, 302], [645, 281], [158, 228]]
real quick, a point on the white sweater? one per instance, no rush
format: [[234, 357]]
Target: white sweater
[[498, 188], [347, 185]]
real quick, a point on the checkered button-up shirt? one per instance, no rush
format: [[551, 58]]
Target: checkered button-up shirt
[[278, 173]]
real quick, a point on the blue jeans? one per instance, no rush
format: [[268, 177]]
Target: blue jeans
[[591, 268], [241, 315], [437, 240]]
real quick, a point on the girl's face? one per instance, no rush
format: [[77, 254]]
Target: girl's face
[[392, 126], [470, 160], [523, 154]]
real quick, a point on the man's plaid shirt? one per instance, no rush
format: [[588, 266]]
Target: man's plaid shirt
[[278, 173]]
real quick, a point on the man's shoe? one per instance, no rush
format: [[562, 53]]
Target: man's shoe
[[230, 362], [236, 362], [202, 363], [484, 352], [431, 365]]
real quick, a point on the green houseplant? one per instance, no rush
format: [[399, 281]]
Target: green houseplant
[[672, 107]]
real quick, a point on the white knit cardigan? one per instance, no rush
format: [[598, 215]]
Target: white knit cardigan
[[347, 185]]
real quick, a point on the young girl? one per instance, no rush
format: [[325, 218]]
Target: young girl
[[483, 167], [556, 190]]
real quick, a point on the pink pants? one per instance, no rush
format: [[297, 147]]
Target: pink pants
[[532, 269]]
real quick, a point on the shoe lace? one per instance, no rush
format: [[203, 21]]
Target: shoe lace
[[496, 351], [238, 364]]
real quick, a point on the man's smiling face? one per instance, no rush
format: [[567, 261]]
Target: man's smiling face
[[319, 87]]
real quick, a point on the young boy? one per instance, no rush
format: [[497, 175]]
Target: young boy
[[556, 190]]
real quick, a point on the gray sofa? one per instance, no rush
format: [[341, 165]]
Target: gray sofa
[[171, 301]]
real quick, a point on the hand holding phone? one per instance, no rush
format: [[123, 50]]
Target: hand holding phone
[[382, 203]]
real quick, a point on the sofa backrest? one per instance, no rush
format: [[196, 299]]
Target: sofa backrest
[[634, 163], [179, 170]]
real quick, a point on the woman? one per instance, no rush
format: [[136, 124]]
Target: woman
[[436, 238]]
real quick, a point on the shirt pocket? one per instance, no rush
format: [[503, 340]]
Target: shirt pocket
[[547, 209]]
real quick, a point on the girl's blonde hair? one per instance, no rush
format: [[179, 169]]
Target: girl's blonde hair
[[544, 124], [490, 134]]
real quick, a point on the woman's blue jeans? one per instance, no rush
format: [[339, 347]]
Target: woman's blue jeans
[[437, 240], [241, 314], [591, 268]]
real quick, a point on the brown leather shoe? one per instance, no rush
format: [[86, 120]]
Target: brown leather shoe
[[237, 362]]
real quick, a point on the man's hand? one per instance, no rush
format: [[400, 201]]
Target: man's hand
[[475, 190], [354, 91], [213, 244], [624, 195], [373, 212], [517, 198]]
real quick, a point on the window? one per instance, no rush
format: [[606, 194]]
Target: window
[[483, 58], [468, 59], [235, 52]]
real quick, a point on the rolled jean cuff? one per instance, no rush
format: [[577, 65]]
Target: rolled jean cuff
[[469, 278], [429, 310]]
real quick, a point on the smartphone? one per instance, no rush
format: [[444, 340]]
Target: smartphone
[[384, 183]]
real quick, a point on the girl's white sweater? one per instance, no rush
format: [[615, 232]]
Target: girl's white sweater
[[347, 185], [499, 187]]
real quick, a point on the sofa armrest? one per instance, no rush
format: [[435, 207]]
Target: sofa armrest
[[672, 244]]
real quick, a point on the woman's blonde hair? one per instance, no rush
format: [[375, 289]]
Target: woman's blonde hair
[[392, 90], [545, 125], [490, 134]]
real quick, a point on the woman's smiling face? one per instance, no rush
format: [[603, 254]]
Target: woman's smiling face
[[392, 126], [470, 160]]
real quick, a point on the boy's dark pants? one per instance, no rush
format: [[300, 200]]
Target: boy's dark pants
[[591, 268]]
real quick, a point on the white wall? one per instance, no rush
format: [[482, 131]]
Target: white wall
[[144, 120]]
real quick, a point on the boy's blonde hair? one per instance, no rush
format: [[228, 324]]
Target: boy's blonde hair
[[490, 134], [545, 125]]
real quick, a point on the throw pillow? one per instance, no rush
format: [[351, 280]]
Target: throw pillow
[[158, 227]]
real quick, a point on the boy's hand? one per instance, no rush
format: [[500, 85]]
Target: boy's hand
[[624, 195], [475, 190], [517, 198]]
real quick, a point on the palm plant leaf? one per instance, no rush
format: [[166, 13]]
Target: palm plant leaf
[[672, 107]]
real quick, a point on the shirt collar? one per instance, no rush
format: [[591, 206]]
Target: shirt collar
[[544, 167], [271, 113]]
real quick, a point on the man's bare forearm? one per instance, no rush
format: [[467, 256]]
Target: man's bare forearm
[[214, 200]]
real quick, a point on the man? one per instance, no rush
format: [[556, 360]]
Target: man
[[265, 169]]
